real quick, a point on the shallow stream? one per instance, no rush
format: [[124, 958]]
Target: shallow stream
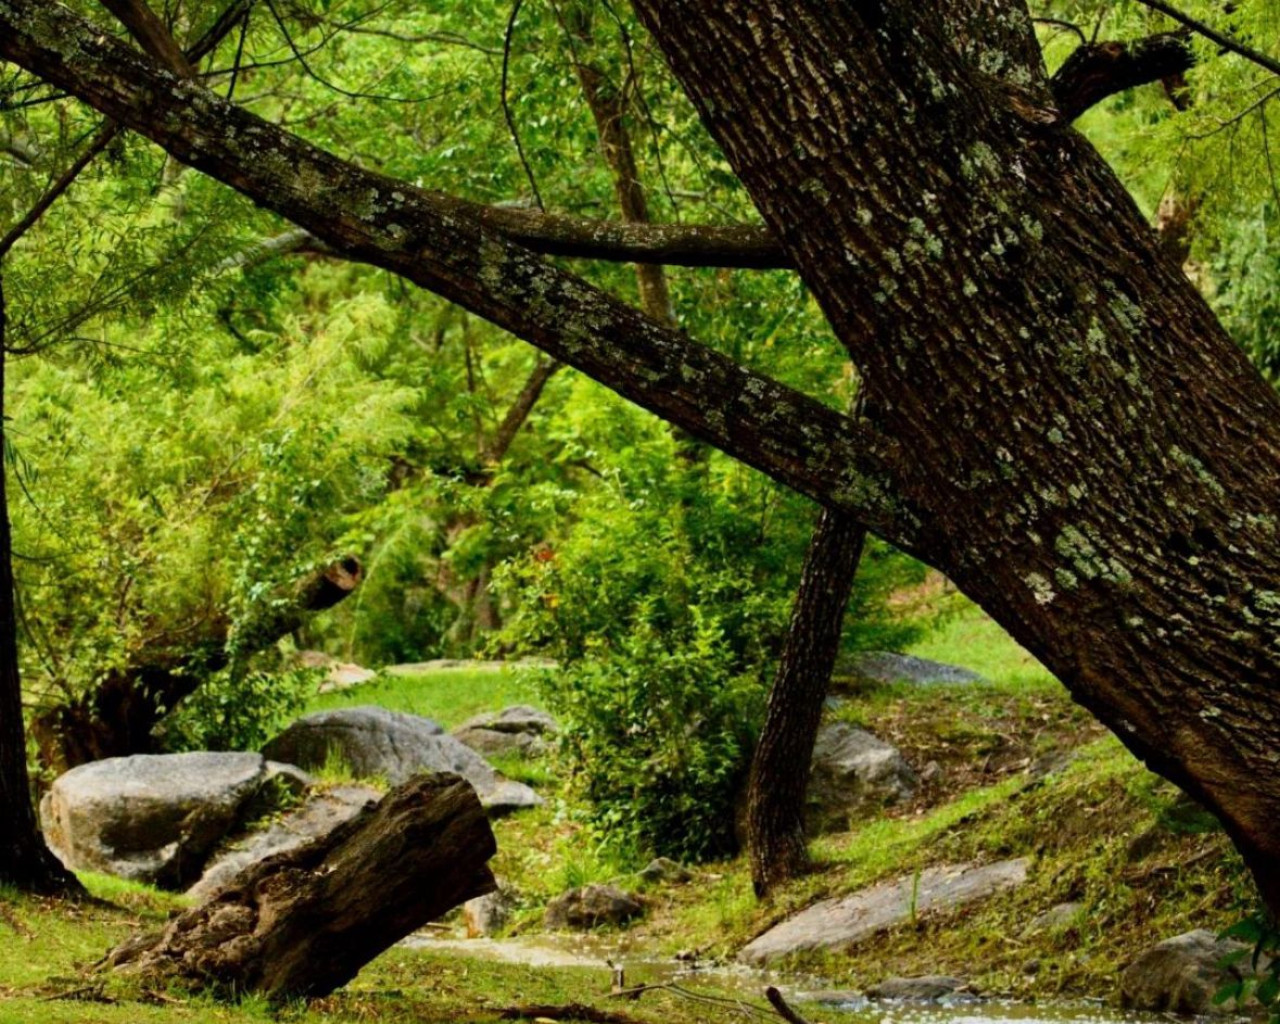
[[810, 994]]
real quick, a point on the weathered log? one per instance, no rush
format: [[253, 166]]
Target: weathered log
[[302, 923], [117, 716]]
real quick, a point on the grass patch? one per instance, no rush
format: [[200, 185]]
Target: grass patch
[[450, 696], [967, 636]]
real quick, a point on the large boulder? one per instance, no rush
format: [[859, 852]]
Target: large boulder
[[592, 906], [840, 923], [854, 773], [887, 667], [373, 741], [150, 817], [519, 730], [1182, 974], [318, 815]]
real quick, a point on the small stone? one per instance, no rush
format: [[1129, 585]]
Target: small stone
[[1059, 916], [487, 914], [1182, 974], [664, 869], [928, 988], [592, 906], [854, 773]]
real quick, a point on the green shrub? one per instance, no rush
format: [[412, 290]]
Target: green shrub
[[658, 735]]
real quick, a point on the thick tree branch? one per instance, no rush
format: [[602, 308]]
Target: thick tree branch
[[150, 33], [745, 246], [1098, 70], [437, 242]]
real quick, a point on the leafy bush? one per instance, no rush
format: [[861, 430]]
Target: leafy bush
[[1263, 984], [658, 736], [228, 713], [666, 607]]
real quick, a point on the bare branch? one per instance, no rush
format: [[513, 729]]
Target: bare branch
[[1098, 70], [1212, 34]]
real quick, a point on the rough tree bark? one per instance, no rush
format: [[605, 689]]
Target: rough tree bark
[[25, 862], [1076, 441], [1100, 464], [300, 924], [780, 765], [119, 714]]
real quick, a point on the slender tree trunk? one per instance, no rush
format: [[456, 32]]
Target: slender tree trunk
[[25, 861], [780, 767]]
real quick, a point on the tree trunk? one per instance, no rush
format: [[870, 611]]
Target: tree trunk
[[25, 862], [118, 716], [302, 923], [1099, 464], [780, 766]]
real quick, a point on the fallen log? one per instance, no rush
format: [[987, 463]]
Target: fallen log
[[117, 715], [302, 923]]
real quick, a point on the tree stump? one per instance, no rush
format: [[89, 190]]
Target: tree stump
[[302, 923]]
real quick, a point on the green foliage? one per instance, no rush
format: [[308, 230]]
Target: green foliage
[[230, 712], [1246, 267], [1262, 980], [657, 736], [666, 602]]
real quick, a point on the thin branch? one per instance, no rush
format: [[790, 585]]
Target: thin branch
[[104, 137], [506, 106], [1212, 34], [1068, 26], [107, 133]]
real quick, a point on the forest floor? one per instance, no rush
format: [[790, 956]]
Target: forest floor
[[1020, 771]]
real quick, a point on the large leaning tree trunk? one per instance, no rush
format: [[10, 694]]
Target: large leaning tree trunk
[[118, 715], [302, 923], [25, 862], [780, 764], [1098, 464], [1068, 432]]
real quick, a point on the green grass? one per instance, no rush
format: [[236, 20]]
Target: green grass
[[971, 639], [450, 696]]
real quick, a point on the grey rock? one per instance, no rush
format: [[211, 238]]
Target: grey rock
[[835, 999], [485, 915], [843, 922], [1182, 974], [520, 730], [925, 989], [592, 906], [1059, 916], [150, 817], [374, 741], [887, 667], [854, 773], [664, 869], [319, 815]]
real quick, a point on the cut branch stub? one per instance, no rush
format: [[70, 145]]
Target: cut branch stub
[[302, 923]]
